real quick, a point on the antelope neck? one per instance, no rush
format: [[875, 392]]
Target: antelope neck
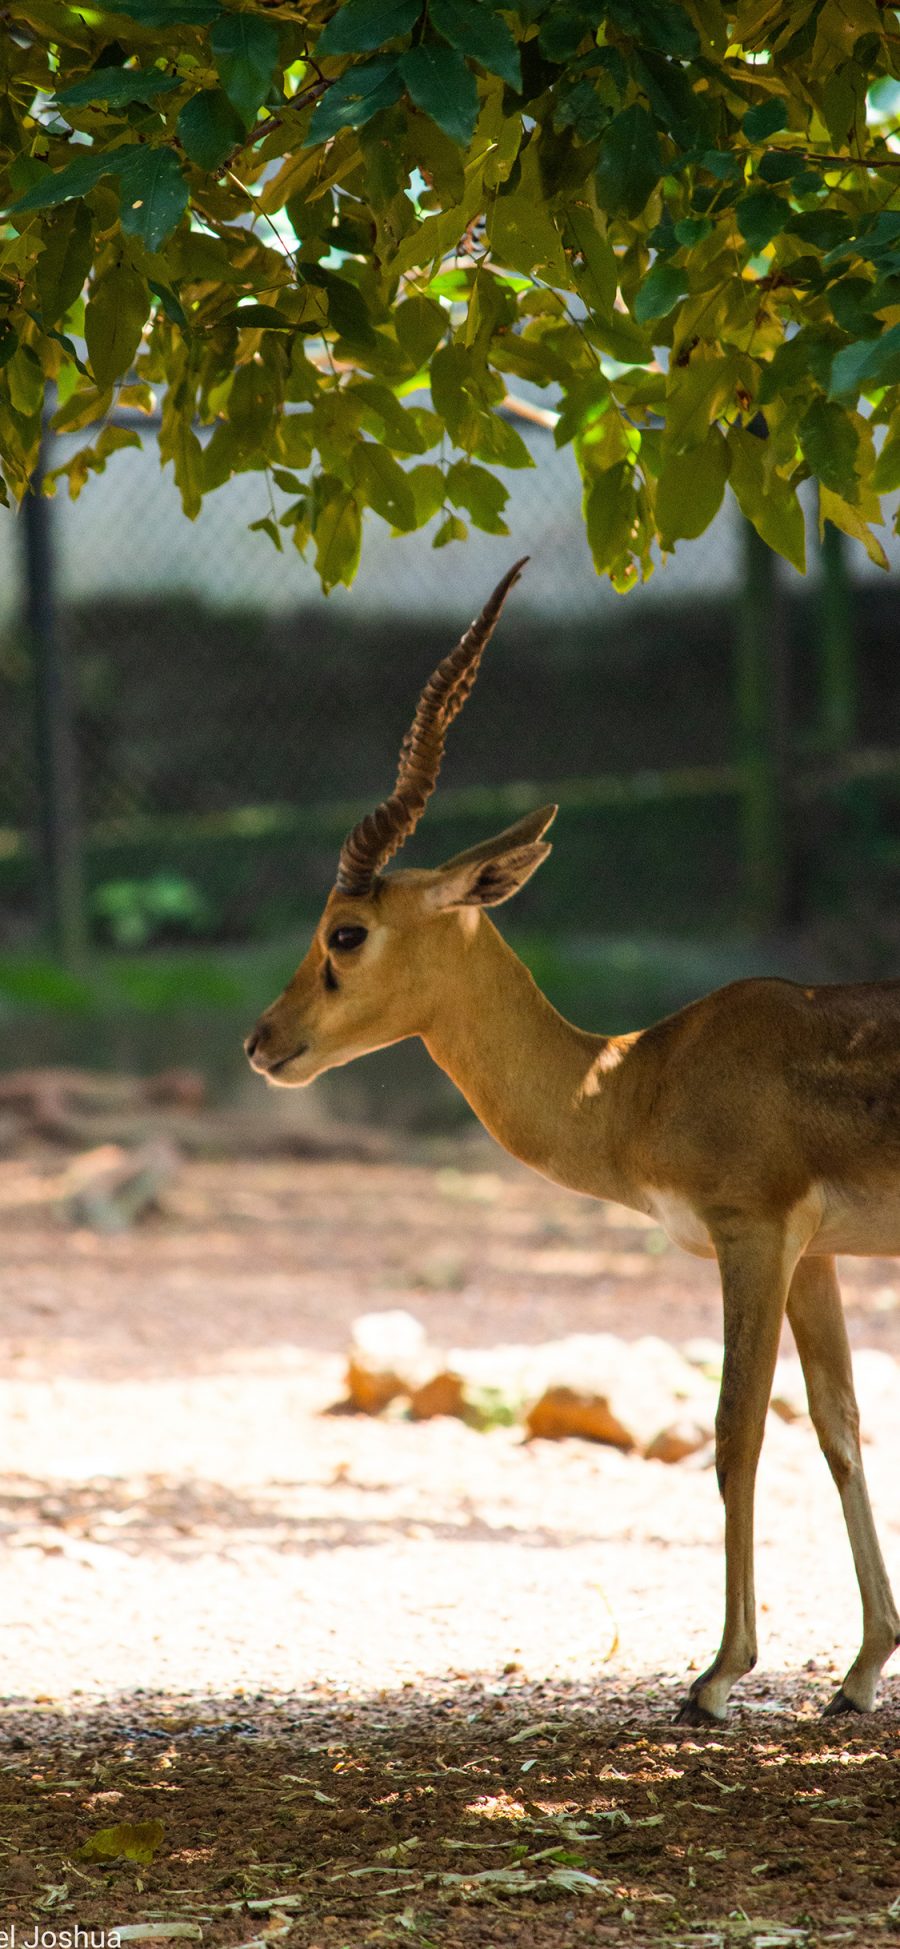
[[537, 1083]]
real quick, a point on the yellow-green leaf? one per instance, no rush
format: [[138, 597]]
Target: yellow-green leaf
[[521, 229], [384, 485], [130, 1840], [609, 512], [65, 261], [690, 489], [833, 508], [338, 537], [766, 499], [697, 394], [114, 321]]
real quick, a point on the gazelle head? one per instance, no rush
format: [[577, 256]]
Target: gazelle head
[[385, 946]]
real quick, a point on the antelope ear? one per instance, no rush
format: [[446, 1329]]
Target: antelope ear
[[492, 872]]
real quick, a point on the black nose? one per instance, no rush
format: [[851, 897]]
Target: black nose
[[252, 1043]]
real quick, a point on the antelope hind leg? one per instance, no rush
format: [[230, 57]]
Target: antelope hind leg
[[817, 1318], [755, 1272]]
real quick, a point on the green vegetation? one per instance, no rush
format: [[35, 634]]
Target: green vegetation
[[335, 238]]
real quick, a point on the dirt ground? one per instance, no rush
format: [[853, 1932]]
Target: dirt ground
[[350, 1681]]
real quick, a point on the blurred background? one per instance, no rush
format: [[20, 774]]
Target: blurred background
[[188, 728]]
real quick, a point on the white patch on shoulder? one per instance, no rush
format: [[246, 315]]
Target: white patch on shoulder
[[609, 1059], [680, 1221]]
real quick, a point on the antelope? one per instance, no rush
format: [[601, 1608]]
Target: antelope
[[759, 1126]]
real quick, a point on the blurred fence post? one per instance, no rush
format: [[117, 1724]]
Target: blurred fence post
[[762, 730], [837, 668], [59, 819]]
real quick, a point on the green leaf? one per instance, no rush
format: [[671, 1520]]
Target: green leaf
[[851, 303], [765, 119], [438, 81], [426, 484], [154, 195], [394, 424], [75, 179], [338, 536], [723, 165], [579, 107], [692, 230], [601, 270], [521, 229], [360, 25], [830, 443], [563, 28], [62, 268], [833, 508], [697, 394], [130, 1840], [863, 367], [172, 308], [115, 86], [450, 530], [690, 489], [385, 486], [266, 526], [767, 500], [584, 402], [451, 369], [84, 406], [660, 291], [500, 443], [843, 100], [355, 98], [482, 35], [209, 127], [630, 165], [761, 216], [657, 23], [347, 308], [886, 475], [674, 101], [808, 354], [245, 51], [25, 381], [824, 228], [774, 167], [609, 510], [295, 439], [420, 324], [92, 459], [167, 13], [481, 494], [113, 322], [256, 317]]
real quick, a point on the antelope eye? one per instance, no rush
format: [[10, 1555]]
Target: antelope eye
[[346, 938]]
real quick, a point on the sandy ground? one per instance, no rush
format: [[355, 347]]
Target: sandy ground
[[189, 1539]]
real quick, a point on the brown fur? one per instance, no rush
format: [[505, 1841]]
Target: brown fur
[[761, 1125]]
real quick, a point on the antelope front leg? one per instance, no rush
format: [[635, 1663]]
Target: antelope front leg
[[817, 1318], [755, 1272]]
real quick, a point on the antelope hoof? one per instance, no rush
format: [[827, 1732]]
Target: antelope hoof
[[692, 1713], [840, 1706]]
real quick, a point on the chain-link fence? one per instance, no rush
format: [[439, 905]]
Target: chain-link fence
[[228, 720]]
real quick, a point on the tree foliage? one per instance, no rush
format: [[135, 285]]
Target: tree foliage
[[332, 241]]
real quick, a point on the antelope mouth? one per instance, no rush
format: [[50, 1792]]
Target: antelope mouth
[[283, 1061]]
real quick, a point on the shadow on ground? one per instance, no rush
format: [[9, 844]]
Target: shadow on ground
[[184, 1517], [474, 1814]]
